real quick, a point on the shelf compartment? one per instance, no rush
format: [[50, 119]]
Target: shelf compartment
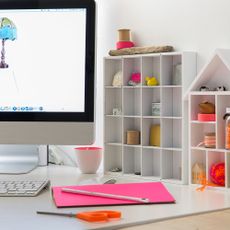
[[131, 160], [113, 130], [171, 165], [132, 101], [131, 123], [214, 157], [151, 162], [149, 96], [223, 102], [168, 67], [198, 131], [197, 156], [195, 101], [151, 68], [171, 134], [227, 170], [112, 157], [170, 100], [111, 67], [217, 73], [130, 65], [146, 127], [114, 100]]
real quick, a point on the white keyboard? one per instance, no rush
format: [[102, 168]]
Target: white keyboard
[[22, 188]]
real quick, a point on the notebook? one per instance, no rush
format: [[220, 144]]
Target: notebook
[[154, 191]]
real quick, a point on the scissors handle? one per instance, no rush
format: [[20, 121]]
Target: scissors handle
[[95, 216]]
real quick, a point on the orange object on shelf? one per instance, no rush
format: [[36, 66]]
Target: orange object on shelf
[[204, 183], [217, 173], [227, 128], [227, 137]]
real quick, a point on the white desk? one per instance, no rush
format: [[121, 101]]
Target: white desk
[[20, 213]]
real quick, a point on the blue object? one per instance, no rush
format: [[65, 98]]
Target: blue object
[[7, 32]]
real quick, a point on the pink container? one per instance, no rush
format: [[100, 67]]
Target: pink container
[[88, 159], [124, 44], [206, 117]]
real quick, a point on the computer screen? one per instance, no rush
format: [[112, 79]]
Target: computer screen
[[47, 71], [44, 64]]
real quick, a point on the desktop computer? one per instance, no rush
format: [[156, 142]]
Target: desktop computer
[[47, 70]]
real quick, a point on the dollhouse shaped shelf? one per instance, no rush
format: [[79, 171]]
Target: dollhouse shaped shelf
[[216, 73]]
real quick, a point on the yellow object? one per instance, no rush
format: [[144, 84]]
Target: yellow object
[[155, 135], [151, 81]]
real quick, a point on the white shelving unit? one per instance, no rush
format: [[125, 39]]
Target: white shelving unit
[[215, 73], [208, 156], [168, 161]]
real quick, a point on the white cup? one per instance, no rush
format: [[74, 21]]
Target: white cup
[[88, 158]]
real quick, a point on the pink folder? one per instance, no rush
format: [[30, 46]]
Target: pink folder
[[154, 191]]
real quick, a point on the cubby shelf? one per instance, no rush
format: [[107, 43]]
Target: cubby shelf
[[166, 162], [199, 129]]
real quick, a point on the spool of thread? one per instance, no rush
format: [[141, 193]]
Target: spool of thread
[[133, 137], [124, 34], [155, 135], [210, 140]]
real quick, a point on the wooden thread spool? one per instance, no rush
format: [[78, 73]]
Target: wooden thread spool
[[124, 34], [210, 140], [133, 137]]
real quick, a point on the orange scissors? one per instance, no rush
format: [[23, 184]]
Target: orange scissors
[[91, 216]]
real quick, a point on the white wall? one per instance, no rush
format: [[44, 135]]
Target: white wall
[[191, 25]]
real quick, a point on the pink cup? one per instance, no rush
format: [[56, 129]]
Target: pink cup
[[88, 159]]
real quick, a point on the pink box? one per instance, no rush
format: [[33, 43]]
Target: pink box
[[206, 117]]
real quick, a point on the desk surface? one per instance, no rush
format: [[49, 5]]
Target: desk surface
[[20, 213], [207, 221]]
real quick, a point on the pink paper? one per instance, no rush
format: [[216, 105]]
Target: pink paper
[[154, 191]]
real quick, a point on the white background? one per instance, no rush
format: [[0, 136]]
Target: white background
[[46, 60]]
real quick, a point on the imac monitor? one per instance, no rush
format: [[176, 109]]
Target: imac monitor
[[47, 50]]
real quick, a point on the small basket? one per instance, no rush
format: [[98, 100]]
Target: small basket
[[133, 137]]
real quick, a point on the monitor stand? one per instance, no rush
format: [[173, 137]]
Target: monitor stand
[[18, 159]]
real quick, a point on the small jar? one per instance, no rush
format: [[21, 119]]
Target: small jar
[[227, 128], [156, 108]]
